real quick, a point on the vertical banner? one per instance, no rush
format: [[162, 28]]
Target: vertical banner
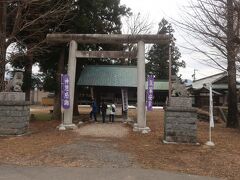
[[125, 98], [65, 94], [150, 92], [211, 107]]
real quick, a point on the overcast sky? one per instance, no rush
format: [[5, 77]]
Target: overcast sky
[[155, 10]]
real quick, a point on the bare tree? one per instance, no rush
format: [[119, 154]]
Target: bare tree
[[136, 24], [215, 23], [26, 24]]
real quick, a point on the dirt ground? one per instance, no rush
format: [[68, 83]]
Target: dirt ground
[[223, 160], [49, 147]]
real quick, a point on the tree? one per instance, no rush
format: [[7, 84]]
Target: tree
[[97, 16], [3, 19], [26, 24], [159, 54], [136, 24], [215, 23], [232, 50], [88, 17], [53, 64]]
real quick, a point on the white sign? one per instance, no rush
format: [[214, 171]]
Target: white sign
[[211, 107]]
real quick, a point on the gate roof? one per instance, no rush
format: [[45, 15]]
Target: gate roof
[[114, 76]]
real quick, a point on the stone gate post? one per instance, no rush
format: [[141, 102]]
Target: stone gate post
[[141, 109], [68, 113]]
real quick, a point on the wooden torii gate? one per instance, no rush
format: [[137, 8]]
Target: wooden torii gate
[[141, 40]]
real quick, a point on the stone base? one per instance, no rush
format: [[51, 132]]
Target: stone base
[[144, 130], [180, 122], [14, 113], [180, 102], [167, 142], [80, 123], [210, 143], [63, 127], [12, 96]]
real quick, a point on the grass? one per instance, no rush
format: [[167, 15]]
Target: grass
[[42, 116]]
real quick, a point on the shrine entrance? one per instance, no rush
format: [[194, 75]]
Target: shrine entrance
[[140, 40]]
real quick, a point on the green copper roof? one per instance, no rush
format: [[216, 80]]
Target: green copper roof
[[117, 76], [113, 76]]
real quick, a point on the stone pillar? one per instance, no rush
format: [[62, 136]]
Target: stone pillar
[[141, 110], [14, 113], [180, 122], [68, 113]]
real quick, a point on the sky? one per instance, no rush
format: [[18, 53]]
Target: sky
[[171, 10]]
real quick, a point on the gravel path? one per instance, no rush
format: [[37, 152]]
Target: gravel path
[[96, 146], [94, 153], [115, 130]]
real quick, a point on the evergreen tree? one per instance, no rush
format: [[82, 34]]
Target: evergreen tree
[[159, 54], [86, 17]]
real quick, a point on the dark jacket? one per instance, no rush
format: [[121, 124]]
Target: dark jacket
[[104, 108], [94, 107]]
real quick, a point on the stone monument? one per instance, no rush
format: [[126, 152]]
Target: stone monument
[[14, 110], [180, 117]]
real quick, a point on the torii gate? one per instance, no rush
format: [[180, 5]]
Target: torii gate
[[141, 40]]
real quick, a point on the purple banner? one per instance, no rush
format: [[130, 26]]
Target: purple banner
[[150, 92], [65, 91]]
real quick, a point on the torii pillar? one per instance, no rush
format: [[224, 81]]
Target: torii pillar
[[72, 60], [141, 109]]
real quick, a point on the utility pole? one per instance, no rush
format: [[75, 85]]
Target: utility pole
[[194, 75]]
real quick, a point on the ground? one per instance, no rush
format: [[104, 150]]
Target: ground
[[115, 145]]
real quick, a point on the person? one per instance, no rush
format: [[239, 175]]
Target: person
[[94, 110], [103, 110], [112, 113]]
